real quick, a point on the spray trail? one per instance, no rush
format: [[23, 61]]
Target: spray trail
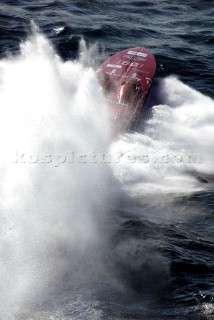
[[174, 146]]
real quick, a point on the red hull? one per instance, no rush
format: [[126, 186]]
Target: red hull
[[126, 78]]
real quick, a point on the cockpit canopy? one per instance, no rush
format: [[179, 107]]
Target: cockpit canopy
[[128, 90]]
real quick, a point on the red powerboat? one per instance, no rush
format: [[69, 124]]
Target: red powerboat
[[126, 78]]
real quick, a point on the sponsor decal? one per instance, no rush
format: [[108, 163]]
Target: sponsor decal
[[139, 54], [134, 64], [114, 66], [142, 71], [134, 58], [131, 64]]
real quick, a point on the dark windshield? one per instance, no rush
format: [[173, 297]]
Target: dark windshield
[[104, 80], [128, 91]]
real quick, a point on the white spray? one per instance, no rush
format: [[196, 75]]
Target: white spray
[[52, 115], [174, 147]]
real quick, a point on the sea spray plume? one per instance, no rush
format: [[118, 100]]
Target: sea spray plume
[[49, 215]]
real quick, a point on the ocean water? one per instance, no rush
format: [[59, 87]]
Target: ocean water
[[94, 227]]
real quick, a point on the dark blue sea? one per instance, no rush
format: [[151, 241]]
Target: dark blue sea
[[93, 227]]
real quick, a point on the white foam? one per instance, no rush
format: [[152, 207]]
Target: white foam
[[177, 141]]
